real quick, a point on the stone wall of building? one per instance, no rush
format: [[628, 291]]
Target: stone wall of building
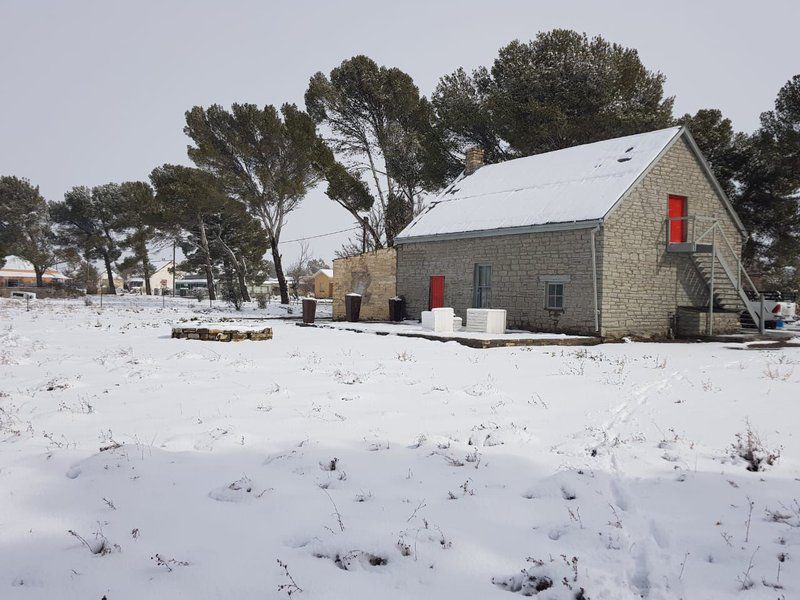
[[521, 264], [373, 275], [644, 284], [693, 322]]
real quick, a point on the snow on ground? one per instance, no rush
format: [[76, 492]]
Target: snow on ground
[[137, 466]]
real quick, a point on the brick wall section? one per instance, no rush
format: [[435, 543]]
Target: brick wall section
[[518, 262], [642, 283], [373, 275]]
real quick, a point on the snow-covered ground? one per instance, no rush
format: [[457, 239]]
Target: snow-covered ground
[[137, 466]]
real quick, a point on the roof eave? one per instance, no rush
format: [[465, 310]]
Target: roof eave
[[502, 231]]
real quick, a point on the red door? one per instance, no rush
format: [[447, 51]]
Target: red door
[[436, 299], [677, 219]]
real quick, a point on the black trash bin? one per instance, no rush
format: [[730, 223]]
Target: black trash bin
[[352, 307], [397, 309], [309, 309]]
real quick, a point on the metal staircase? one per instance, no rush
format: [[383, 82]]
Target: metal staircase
[[718, 262]]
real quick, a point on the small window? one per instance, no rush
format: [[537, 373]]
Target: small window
[[555, 296], [483, 286]]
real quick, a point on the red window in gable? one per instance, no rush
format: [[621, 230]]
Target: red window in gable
[[676, 210]]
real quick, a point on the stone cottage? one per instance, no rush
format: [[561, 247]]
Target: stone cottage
[[629, 236]]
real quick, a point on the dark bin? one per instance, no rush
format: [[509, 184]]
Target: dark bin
[[397, 309], [309, 310], [352, 307]]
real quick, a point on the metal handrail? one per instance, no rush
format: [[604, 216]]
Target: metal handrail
[[713, 230]]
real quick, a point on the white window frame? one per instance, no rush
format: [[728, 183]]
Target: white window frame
[[548, 295]]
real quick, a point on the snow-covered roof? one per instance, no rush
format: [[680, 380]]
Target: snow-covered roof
[[575, 184], [18, 267], [326, 272]]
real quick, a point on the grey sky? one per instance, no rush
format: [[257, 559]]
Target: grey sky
[[95, 91]]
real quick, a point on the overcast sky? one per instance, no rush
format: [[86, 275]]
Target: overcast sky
[[95, 91]]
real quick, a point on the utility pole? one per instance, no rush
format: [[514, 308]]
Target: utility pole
[[173, 267]]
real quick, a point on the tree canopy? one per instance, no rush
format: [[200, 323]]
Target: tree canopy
[[25, 227], [559, 90], [261, 157]]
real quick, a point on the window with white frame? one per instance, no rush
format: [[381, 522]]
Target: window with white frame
[[554, 295]]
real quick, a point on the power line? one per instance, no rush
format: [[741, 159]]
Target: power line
[[311, 237]]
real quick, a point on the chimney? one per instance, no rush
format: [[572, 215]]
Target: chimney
[[473, 160]]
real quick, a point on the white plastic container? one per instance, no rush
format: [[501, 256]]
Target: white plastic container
[[486, 320], [439, 320]]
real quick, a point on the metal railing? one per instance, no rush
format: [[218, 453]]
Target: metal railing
[[711, 235]]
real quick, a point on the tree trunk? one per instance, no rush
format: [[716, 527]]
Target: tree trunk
[[238, 269], [209, 272], [145, 262], [112, 289], [276, 259], [242, 284], [39, 275]]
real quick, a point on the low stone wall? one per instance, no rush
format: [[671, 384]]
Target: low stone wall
[[693, 322], [212, 334], [373, 275]]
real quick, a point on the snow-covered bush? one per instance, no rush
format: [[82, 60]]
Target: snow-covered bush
[[558, 578], [748, 446]]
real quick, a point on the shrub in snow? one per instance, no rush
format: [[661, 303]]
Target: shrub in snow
[[558, 579], [168, 563], [261, 300], [99, 546], [748, 446], [355, 560], [240, 490], [788, 515]]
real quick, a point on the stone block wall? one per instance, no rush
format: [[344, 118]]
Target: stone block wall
[[373, 275], [520, 263], [643, 284], [693, 322]]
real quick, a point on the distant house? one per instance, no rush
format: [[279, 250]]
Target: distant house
[[17, 273], [160, 279], [270, 287], [190, 284], [632, 235], [323, 283], [102, 281]]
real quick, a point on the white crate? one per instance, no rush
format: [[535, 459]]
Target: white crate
[[486, 320], [439, 320]]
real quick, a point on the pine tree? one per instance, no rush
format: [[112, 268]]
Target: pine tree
[[188, 199], [262, 158], [137, 218], [26, 226], [559, 90], [88, 219], [769, 190], [384, 128], [724, 149]]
